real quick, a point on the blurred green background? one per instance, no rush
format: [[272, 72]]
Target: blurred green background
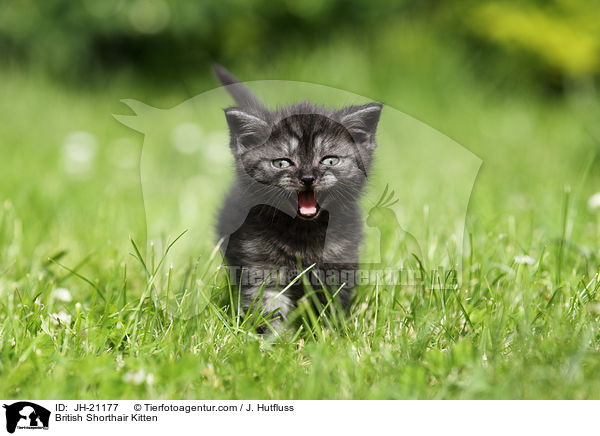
[[547, 41], [516, 83]]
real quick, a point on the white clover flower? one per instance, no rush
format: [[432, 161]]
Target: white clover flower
[[62, 294], [593, 202], [135, 377], [119, 362], [524, 260], [187, 138], [79, 151], [61, 317], [213, 150]]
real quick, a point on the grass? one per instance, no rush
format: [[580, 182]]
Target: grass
[[138, 327]]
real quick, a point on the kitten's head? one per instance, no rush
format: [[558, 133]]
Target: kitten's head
[[312, 157]]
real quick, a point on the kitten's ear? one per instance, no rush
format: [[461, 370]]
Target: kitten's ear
[[361, 121], [247, 130]]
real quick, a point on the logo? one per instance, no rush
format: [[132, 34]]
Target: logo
[[26, 415], [430, 183]]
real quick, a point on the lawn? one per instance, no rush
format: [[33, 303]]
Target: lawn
[[82, 302]]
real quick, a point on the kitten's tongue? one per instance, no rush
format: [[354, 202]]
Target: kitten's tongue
[[307, 205]]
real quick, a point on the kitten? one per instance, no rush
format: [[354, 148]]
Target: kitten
[[300, 171]]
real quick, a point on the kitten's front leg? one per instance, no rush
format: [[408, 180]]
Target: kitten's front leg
[[271, 303]]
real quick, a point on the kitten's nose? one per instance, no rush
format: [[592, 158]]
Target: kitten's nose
[[307, 180]]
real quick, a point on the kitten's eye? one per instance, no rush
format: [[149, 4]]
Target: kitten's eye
[[282, 163], [330, 160]]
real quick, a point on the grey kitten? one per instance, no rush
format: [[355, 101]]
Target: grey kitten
[[300, 171]]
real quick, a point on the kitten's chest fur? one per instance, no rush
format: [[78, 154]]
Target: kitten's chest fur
[[269, 236]]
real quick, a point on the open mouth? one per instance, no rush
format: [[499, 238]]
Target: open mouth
[[307, 204]]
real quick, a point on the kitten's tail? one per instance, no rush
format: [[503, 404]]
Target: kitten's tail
[[240, 93]]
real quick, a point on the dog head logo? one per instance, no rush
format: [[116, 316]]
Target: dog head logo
[[26, 415]]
